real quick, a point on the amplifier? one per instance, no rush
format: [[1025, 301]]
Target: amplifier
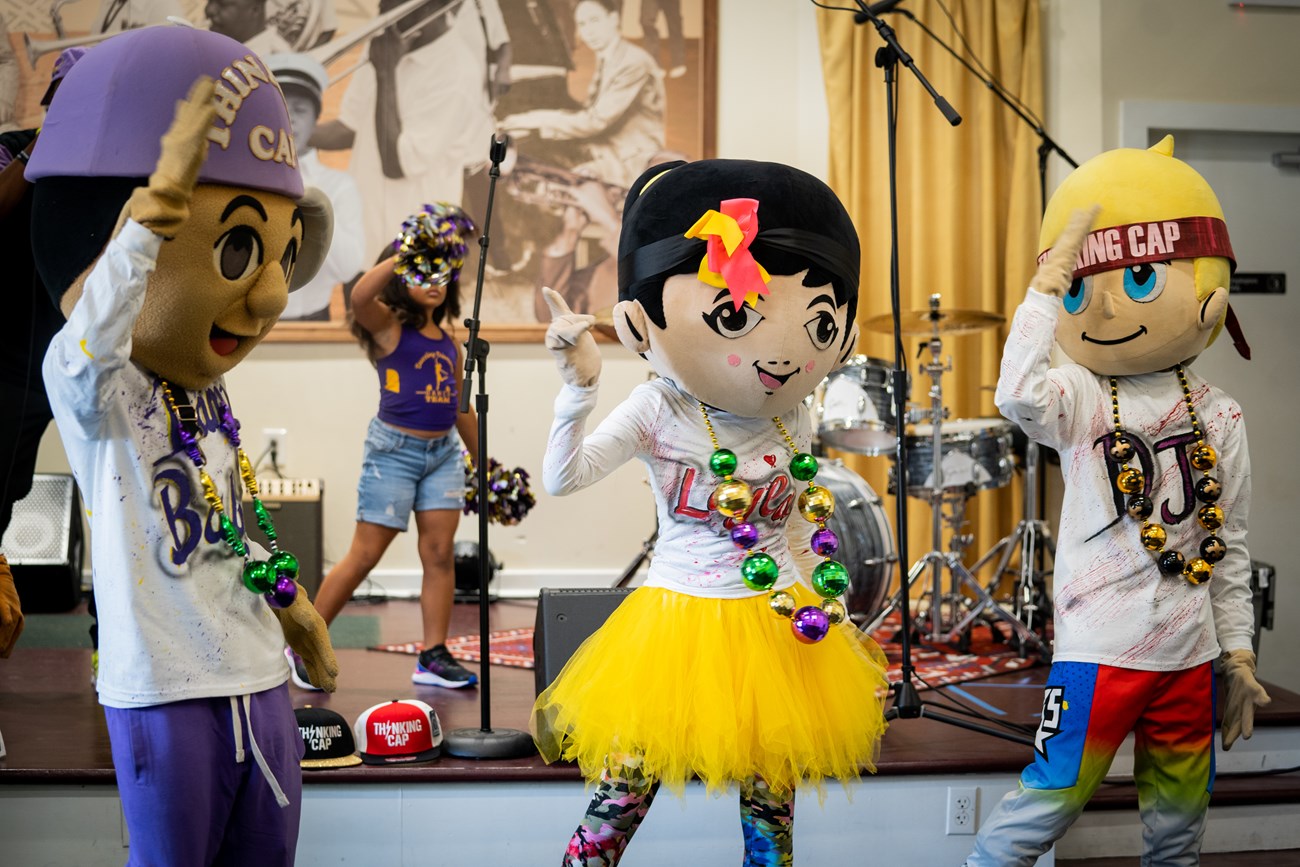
[[296, 508], [44, 545], [565, 618]]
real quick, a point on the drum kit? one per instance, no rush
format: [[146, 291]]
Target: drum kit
[[948, 462]]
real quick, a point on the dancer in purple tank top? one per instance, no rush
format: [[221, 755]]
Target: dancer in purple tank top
[[404, 310]]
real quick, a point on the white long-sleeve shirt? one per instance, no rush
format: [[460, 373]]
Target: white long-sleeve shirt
[[175, 620], [662, 426], [1112, 604]]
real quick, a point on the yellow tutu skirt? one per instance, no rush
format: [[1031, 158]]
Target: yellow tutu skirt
[[718, 689]]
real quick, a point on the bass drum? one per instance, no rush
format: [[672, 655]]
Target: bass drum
[[866, 539]]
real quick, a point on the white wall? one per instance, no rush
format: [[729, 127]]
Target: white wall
[[1103, 54], [771, 106], [325, 394]]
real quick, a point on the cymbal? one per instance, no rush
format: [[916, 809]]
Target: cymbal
[[925, 321]]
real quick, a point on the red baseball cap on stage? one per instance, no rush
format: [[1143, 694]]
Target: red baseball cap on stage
[[398, 732]]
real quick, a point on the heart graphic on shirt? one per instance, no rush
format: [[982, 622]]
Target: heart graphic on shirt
[[771, 460]]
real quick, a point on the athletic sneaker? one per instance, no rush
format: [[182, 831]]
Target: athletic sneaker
[[298, 671], [437, 667]]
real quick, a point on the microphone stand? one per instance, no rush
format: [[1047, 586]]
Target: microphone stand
[[907, 702], [484, 742], [1035, 535]]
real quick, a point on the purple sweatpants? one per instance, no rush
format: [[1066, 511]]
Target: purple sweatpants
[[188, 801]]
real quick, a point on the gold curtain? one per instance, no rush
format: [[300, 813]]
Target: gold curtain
[[968, 208]]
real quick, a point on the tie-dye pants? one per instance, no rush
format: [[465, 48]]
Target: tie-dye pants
[[1088, 710]]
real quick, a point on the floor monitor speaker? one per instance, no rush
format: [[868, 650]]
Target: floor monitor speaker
[[564, 620], [44, 545]]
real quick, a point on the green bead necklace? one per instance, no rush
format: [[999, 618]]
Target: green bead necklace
[[275, 577], [733, 499]]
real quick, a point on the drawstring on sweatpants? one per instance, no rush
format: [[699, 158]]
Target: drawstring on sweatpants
[[280, 797]]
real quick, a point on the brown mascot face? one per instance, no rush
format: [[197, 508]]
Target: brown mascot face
[[219, 285]]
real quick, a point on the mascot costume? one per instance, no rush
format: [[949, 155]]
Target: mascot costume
[[1152, 573], [734, 662], [169, 228]]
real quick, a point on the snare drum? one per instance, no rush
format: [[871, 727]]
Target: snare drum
[[866, 540], [976, 455], [854, 407]]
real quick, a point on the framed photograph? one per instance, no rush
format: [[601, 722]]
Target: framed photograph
[[589, 92]]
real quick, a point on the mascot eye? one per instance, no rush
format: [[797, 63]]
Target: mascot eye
[[289, 258], [238, 253], [1145, 282], [822, 329], [1077, 296], [732, 323]]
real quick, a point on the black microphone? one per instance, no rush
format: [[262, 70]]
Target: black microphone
[[876, 9]]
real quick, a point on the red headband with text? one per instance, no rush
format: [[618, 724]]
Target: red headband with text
[[1124, 246]]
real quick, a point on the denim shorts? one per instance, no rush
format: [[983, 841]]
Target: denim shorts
[[401, 472]]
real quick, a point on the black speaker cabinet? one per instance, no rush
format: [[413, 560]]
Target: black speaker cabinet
[[564, 620], [45, 546], [295, 507], [1263, 587]]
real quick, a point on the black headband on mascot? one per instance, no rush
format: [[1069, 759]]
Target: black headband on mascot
[[801, 225]]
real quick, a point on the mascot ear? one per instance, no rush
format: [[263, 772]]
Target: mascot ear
[[1213, 309], [630, 325], [850, 346]]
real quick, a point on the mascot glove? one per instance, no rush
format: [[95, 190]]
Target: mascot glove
[[306, 633], [569, 339], [1244, 694], [11, 612], [164, 205], [1057, 271]]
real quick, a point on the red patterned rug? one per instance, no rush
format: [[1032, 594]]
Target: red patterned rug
[[935, 664], [941, 665], [512, 648]]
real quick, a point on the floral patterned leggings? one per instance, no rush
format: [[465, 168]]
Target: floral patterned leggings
[[623, 798]]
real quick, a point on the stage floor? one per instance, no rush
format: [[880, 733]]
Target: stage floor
[[54, 728]]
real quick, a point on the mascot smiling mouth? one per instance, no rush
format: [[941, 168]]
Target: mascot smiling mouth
[[1136, 334], [772, 380], [222, 341]]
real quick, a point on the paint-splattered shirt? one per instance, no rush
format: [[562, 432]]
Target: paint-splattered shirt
[[1112, 605], [662, 426], [175, 621]]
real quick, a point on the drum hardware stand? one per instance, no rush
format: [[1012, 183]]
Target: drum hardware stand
[[1030, 602], [937, 560]]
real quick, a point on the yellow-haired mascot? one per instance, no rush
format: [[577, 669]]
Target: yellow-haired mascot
[[1152, 573], [169, 221]]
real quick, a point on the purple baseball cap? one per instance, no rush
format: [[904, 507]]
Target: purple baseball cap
[[118, 100], [63, 64]]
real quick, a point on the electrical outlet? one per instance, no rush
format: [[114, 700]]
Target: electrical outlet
[[274, 447], [962, 804]]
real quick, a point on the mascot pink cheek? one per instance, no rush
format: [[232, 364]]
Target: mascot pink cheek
[[733, 360], [810, 366]]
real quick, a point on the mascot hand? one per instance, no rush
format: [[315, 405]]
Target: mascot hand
[[305, 631], [164, 205], [1244, 694], [11, 612], [570, 341], [1057, 272]]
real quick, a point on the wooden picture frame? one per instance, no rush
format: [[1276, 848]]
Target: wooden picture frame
[[542, 166]]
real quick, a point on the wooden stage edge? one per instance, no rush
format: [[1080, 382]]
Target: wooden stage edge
[[54, 728]]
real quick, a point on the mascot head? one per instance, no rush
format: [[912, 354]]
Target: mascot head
[[252, 234], [1151, 282], [738, 280]]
